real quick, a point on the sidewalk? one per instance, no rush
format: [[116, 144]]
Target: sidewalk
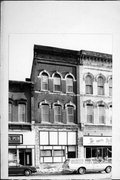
[[49, 169]]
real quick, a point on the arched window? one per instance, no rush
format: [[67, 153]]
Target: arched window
[[102, 114], [90, 113], [10, 112], [44, 81], [57, 113], [45, 112], [22, 112], [57, 82], [69, 84], [70, 114], [100, 85], [110, 113], [89, 84], [110, 87]]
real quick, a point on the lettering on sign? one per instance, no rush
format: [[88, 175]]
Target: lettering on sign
[[97, 141], [15, 139]]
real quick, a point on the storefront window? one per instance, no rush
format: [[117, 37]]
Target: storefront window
[[12, 156], [46, 153], [98, 152], [58, 153]]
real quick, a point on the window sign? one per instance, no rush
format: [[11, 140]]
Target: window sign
[[15, 139]]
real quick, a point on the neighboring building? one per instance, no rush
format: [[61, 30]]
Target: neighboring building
[[21, 135], [95, 72], [54, 73]]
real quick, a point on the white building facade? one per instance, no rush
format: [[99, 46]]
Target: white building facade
[[95, 103]]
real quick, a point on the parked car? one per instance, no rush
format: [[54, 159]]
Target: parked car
[[18, 169], [86, 165]]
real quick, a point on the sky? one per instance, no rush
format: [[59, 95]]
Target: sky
[[21, 48], [71, 25]]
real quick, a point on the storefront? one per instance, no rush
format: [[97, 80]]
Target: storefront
[[22, 148], [56, 146], [99, 147]]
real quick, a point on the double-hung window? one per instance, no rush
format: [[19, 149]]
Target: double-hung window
[[100, 85], [110, 114], [110, 87], [69, 84], [90, 113], [70, 114], [57, 82], [58, 113], [22, 113], [44, 81], [10, 112], [89, 84], [101, 114], [45, 112]]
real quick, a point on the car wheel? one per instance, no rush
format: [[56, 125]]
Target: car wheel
[[81, 170], [108, 169], [27, 172]]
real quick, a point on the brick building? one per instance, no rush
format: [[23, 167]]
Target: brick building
[[21, 135], [54, 74]]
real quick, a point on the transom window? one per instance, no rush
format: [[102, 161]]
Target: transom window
[[21, 112], [101, 114], [100, 85], [58, 113], [45, 112], [70, 113], [44, 81], [89, 84], [69, 84], [110, 87], [90, 113], [57, 82]]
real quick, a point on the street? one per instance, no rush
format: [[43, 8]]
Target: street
[[91, 176]]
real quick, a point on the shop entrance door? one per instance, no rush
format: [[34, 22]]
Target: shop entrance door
[[25, 157], [71, 152]]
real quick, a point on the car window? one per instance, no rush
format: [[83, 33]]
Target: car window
[[77, 161]]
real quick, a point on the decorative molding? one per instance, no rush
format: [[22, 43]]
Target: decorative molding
[[70, 74], [88, 74], [70, 104]]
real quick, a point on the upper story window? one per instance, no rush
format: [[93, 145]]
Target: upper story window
[[90, 113], [110, 87], [57, 82], [45, 112], [10, 112], [110, 113], [89, 84], [44, 81], [57, 113], [100, 85], [69, 84], [70, 113], [22, 112], [102, 114]]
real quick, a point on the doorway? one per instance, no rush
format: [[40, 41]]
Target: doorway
[[25, 157]]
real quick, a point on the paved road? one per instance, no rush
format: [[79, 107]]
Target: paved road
[[90, 176]]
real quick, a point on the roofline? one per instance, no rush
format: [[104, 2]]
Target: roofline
[[20, 82], [55, 50]]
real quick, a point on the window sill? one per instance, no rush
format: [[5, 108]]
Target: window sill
[[91, 124]]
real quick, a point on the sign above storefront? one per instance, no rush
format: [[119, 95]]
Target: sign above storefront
[[15, 139], [95, 141]]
